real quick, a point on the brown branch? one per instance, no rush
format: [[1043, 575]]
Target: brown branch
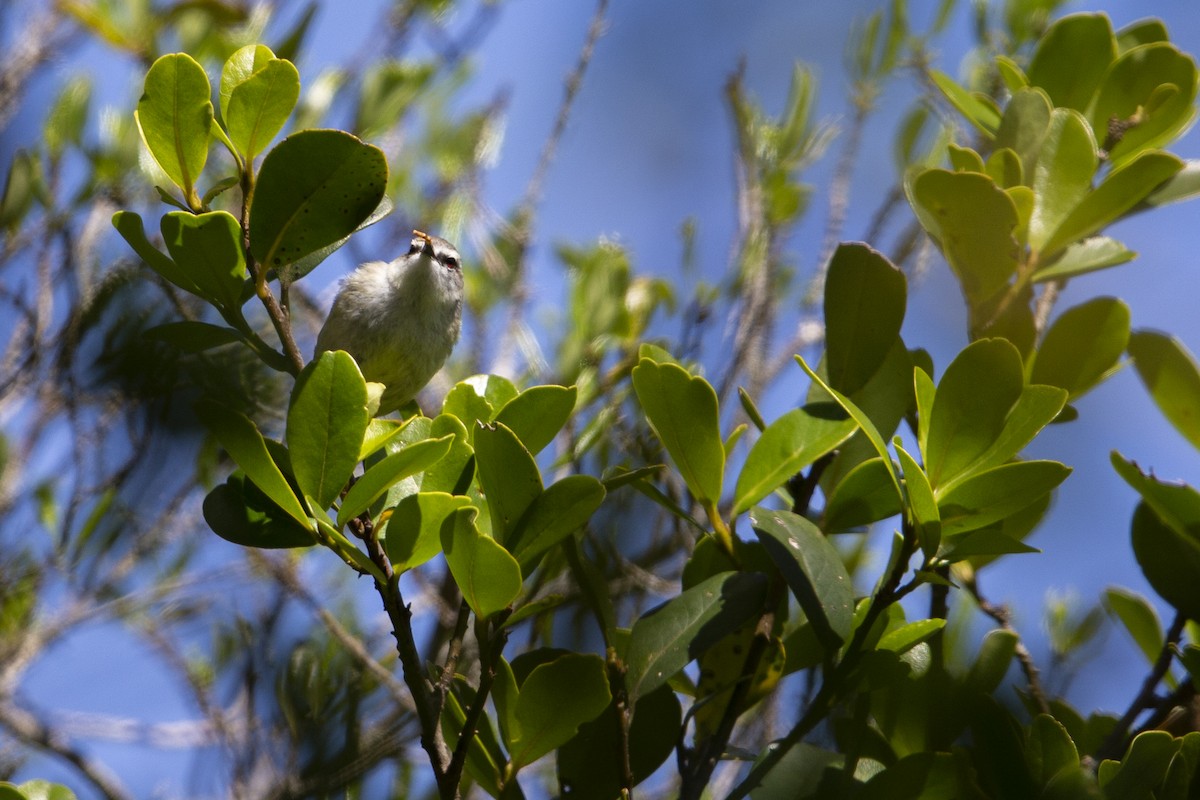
[[1003, 617], [27, 728]]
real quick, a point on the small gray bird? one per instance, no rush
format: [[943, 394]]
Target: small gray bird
[[399, 319]]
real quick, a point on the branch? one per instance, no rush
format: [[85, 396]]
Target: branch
[[27, 728], [1003, 618], [1114, 745]]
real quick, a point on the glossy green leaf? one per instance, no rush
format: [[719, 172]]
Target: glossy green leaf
[[789, 444], [245, 444], [380, 431], [864, 423], [554, 701], [393, 468], [866, 494], [991, 665], [1139, 618], [414, 529], [978, 110], [1121, 190], [239, 512], [1082, 346], [129, 225], [973, 400], [1183, 185], [327, 418], [990, 541], [193, 336], [452, 473], [910, 635], [488, 577], [314, 188], [973, 220], [1176, 503], [1005, 169], [563, 508], [1072, 57], [478, 399], [508, 476], [1171, 375], [208, 248], [590, 765], [1088, 255], [682, 409], [924, 392], [258, 93], [665, 639], [1143, 767], [994, 494], [1036, 407], [813, 570], [1062, 176], [925, 515], [1023, 127], [865, 299], [1128, 90], [175, 114], [537, 414]]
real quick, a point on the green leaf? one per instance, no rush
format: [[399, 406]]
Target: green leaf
[[665, 639], [452, 474], [925, 515], [488, 577], [1168, 557], [508, 476], [1023, 127], [978, 110], [906, 637], [1036, 407], [789, 444], [590, 765], [67, 117], [241, 439], [1083, 346], [393, 468], [240, 512], [36, 790], [799, 773], [1183, 185], [1006, 170], [1120, 191], [973, 400], [484, 757], [554, 701], [129, 225], [191, 336], [813, 570], [1049, 750], [866, 494], [257, 96], [1011, 73], [477, 399], [1143, 767], [1170, 373], [864, 422], [175, 114], [995, 656], [563, 508], [989, 541], [1063, 174], [1088, 255], [537, 414], [414, 529], [994, 494], [682, 409], [973, 221], [964, 159], [865, 298], [314, 188], [1139, 618], [1072, 57], [327, 418], [1128, 93], [208, 248]]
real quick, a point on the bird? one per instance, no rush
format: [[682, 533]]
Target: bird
[[399, 319]]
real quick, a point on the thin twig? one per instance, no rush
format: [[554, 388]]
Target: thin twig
[[1003, 617]]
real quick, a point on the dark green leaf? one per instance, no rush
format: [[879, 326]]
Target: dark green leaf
[[664, 640], [1139, 618], [1082, 346], [994, 494], [682, 409], [1170, 374], [1143, 767], [995, 656], [563, 508], [129, 225], [865, 299], [314, 188], [789, 444], [191, 336], [813, 570], [327, 418], [554, 701], [865, 495], [1169, 558], [986, 542], [239, 512]]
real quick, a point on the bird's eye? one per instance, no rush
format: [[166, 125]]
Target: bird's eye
[[451, 262]]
